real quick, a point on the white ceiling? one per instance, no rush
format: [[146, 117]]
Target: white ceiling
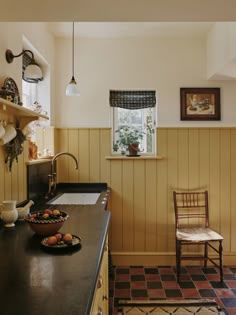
[[131, 29]]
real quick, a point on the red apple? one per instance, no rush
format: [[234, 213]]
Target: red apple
[[58, 236], [52, 240], [48, 211]]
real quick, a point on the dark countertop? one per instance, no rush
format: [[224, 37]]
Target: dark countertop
[[35, 282]]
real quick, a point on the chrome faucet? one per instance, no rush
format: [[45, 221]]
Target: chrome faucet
[[52, 178]]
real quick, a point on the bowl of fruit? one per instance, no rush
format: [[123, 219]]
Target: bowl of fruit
[[47, 222], [60, 241]]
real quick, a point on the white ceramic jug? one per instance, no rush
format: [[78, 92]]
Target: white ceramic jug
[[8, 212]]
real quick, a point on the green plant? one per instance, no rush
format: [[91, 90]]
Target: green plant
[[127, 135]]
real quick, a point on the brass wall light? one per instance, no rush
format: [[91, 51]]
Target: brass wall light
[[72, 88], [32, 72]]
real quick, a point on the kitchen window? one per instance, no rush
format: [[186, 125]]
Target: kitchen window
[[136, 111]]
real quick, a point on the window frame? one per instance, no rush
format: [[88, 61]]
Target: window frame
[[154, 134]]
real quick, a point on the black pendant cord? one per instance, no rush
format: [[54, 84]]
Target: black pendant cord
[[73, 45]]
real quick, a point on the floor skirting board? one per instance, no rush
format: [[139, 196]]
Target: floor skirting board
[[159, 258]]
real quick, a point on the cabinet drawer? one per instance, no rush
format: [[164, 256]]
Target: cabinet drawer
[[100, 301]]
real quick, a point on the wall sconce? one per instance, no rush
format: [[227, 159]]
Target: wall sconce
[[32, 73], [72, 88]]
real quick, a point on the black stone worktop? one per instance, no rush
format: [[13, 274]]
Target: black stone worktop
[[35, 282]]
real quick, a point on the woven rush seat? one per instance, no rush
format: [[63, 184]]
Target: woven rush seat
[[197, 234]]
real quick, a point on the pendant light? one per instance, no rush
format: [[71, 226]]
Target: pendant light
[[72, 88]]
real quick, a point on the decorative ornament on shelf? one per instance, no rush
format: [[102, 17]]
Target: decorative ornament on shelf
[[9, 91], [14, 148], [7, 94]]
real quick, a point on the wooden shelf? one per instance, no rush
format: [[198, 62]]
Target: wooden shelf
[[10, 111]]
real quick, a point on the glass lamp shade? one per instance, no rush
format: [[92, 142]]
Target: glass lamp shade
[[72, 88], [33, 71]]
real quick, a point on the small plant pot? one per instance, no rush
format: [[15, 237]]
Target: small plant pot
[[133, 148]]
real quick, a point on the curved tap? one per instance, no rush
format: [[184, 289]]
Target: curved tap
[[52, 182], [57, 156]]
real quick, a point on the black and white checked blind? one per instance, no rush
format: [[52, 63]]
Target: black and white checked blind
[[132, 99]]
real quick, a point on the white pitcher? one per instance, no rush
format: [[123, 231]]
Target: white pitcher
[[8, 212]]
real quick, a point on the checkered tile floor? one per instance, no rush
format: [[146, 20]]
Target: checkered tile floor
[[138, 282]]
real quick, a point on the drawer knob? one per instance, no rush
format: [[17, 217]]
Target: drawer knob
[[100, 282], [100, 311]]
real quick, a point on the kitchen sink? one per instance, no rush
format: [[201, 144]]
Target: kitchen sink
[[75, 199]]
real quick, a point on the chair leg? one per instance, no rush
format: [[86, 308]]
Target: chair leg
[[205, 254], [178, 259], [221, 260]]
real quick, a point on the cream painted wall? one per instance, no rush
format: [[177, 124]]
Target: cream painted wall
[[12, 36], [13, 184], [221, 51], [161, 64]]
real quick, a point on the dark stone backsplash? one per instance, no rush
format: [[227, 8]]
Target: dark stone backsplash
[[37, 180]]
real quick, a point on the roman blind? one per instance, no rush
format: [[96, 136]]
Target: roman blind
[[132, 99]]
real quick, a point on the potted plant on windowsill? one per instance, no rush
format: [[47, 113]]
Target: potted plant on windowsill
[[129, 139]]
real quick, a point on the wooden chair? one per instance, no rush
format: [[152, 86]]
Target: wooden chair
[[192, 228]]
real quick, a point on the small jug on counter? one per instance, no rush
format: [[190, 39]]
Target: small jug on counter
[[8, 213]]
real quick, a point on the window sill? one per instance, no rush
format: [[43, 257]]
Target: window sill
[[142, 157]]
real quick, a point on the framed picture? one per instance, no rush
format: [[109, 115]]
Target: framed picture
[[200, 103]]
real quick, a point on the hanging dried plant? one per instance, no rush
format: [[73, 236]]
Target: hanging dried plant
[[14, 148]]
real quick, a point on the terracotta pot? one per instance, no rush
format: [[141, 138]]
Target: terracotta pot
[[133, 148]]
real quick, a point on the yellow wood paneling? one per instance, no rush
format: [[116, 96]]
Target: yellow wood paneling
[[3, 172], [193, 158], [232, 214], [204, 158], [105, 148], [141, 202], [8, 184], [172, 176], [214, 166], [128, 205], [73, 148], [162, 191], [84, 158], [62, 162], [139, 205], [14, 181], [94, 153], [225, 179], [116, 237], [183, 158], [150, 205]]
